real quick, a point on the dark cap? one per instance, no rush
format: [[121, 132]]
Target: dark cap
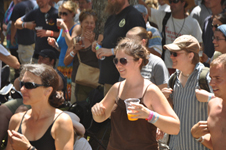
[[48, 53]]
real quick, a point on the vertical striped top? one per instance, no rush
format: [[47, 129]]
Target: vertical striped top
[[189, 110]]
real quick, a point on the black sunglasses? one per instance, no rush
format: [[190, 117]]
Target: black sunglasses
[[173, 1], [174, 54], [29, 85], [215, 26], [63, 13], [123, 61]]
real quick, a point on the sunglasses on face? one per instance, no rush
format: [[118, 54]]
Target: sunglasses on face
[[175, 54], [123, 61], [63, 13], [173, 1], [29, 85], [215, 26]]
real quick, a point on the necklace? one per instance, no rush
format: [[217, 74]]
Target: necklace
[[185, 75], [180, 28]]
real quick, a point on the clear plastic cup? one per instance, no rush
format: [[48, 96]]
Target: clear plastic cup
[[128, 103]]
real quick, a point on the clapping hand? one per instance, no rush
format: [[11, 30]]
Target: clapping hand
[[18, 141]]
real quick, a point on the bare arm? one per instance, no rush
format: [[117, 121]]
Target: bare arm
[[13, 33], [10, 60], [102, 111], [63, 133]]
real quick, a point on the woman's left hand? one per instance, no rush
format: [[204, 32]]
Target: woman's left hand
[[89, 35], [18, 141], [139, 111], [61, 24]]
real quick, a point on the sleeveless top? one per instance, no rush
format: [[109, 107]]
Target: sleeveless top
[[130, 135], [63, 47], [46, 142]]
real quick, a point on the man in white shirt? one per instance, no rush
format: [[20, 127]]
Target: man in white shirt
[[179, 23]]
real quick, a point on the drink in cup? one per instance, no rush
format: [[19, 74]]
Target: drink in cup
[[59, 20], [128, 103]]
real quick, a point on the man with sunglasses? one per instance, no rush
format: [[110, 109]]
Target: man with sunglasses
[[184, 54], [177, 24], [45, 17]]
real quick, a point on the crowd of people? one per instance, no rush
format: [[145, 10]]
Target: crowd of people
[[167, 54]]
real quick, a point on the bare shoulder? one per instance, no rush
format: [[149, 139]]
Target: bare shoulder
[[62, 117], [215, 102], [15, 120]]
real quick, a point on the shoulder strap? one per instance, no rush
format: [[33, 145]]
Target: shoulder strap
[[203, 83], [164, 21], [146, 90], [172, 80]]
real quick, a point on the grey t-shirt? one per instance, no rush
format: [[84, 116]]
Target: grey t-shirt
[[155, 70]]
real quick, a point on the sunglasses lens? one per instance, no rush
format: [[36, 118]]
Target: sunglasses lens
[[63, 13], [115, 61], [123, 61], [174, 54], [28, 85]]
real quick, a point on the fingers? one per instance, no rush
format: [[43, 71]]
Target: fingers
[[98, 109]]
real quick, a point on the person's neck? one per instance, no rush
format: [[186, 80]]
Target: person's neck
[[130, 82], [39, 112], [187, 71], [45, 9], [126, 5], [180, 15], [217, 10], [70, 24]]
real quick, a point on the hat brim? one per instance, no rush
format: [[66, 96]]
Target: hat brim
[[172, 47], [191, 4]]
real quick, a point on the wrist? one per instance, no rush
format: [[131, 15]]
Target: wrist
[[211, 95], [200, 139], [72, 54], [66, 31], [51, 33], [208, 60], [112, 51], [24, 25]]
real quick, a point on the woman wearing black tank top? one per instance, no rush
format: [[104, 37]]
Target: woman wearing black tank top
[[153, 110], [43, 127]]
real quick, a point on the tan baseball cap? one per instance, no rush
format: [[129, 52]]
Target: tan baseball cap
[[184, 42]]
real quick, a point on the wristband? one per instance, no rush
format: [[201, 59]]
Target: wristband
[[208, 60], [150, 115], [51, 33], [65, 31], [211, 95], [157, 118], [29, 147], [113, 52], [33, 148], [72, 54], [23, 25], [200, 138]]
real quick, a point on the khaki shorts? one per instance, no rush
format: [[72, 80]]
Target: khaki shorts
[[25, 53], [14, 104]]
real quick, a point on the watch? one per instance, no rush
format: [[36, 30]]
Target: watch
[[33, 148]]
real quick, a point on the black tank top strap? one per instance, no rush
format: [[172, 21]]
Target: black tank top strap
[[57, 117], [118, 91], [145, 91], [20, 128]]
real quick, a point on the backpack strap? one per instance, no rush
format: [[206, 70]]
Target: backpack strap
[[164, 21], [172, 80], [203, 83]]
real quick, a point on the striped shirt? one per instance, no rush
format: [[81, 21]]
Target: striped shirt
[[189, 110]]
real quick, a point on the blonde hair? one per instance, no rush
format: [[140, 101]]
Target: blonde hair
[[70, 6], [152, 3]]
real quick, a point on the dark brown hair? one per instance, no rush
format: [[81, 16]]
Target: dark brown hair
[[49, 78], [134, 49], [87, 12]]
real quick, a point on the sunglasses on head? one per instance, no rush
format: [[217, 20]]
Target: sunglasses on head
[[63, 13], [123, 61], [215, 26], [29, 85], [173, 1]]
